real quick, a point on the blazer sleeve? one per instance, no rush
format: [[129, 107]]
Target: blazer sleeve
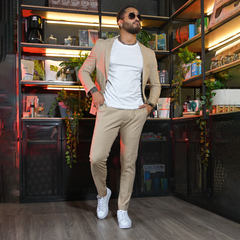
[[87, 69], [155, 87]]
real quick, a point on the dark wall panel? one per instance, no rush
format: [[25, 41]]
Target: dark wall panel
[[9, 179]]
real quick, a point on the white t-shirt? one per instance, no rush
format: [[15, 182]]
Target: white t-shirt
[[123, 89]]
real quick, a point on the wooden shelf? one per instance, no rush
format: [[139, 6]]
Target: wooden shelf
[[50, 83], [61, 14], [153, 140], [217, 33], [195, 81], [192, 9], [161, 54], [40, 48]]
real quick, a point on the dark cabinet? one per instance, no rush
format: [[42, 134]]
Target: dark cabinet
[[190, 175], [41, 161], [225, 164], [45, 176], [154, 164]]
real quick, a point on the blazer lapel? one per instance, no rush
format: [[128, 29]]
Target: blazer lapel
[[108, 53], [144, 62]]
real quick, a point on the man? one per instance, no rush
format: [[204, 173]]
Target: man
[[124, 66]]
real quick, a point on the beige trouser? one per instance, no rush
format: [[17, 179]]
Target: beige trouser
[[109, 122]]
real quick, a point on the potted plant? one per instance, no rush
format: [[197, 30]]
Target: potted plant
[[145, 38], [75, 107], [186, 57], [73, 65], [217, 82]]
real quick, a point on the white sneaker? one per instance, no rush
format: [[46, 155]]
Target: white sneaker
[[123, 219], [102, 207]]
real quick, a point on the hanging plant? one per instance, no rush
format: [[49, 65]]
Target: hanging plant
[[217, 82], [186, 57], [76, 106]]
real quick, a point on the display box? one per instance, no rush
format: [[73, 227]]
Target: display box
[[92, 37], [161, 41], [152, 176], [75, 4], [51, 69], [163, 107], [83, 38]]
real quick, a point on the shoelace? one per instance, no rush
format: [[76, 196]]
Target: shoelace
[[124, 215], [100, 203]]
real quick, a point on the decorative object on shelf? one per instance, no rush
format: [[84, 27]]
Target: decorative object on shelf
[[223, 9], [75, 4], [182, 34], [186, 57], [27, 69], [68, 41], [146, 38], [163, 107], [92, 37], [206, 23], [34, 29], [54, 71], [226, 100], [161, 41], [39, 70], [74, 64], [163, 77], [83, 38], [106, 35], [51, 40], [74, 41], [218, 82], [192, 30]]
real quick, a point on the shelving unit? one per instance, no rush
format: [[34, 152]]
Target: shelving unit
[[220, 31], [101, 21], [217, 33], [192, 9], [81, 16]]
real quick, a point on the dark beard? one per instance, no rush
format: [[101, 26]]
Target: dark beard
[[131, 29]]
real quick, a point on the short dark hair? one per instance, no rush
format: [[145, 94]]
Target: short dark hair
[[122, 11]]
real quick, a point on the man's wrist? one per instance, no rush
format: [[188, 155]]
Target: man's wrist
[[93, 90], [150, 104]]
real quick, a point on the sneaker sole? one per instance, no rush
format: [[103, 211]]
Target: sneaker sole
[[104, 216], [124, 227]]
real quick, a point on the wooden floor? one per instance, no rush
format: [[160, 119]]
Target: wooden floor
[[153, 218]]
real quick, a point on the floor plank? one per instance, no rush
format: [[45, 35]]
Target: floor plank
[[154, 218]]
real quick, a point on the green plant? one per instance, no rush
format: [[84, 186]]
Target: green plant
[[186, 57], [52, 108], [144, 37], [74, 114], [73, 63], [76, 106], [217, 82]]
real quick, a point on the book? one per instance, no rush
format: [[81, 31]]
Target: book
[[192, 30], [92, 37], [153, 43], [161, 41], [83, 38]]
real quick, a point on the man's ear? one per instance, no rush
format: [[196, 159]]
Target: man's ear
[[120, 22]]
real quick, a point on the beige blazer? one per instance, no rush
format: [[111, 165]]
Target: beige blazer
[[99, 59]]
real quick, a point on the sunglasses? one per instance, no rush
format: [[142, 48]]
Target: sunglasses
[[132, 16]]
